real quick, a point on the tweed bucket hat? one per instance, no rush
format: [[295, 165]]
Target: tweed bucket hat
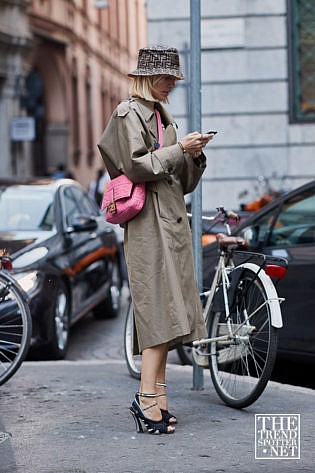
[[158, 60]]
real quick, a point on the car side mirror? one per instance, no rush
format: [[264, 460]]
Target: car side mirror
[[82, 223], [251, 235]]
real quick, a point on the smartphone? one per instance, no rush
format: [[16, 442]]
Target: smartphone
[[211, 132]]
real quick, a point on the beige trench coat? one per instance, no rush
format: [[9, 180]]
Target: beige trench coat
[[158, 242]]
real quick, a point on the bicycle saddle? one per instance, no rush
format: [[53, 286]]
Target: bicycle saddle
[[225, 240]]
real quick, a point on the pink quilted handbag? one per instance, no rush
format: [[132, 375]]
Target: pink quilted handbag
[[123, 199]]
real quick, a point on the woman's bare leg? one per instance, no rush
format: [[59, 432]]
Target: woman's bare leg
[[153, 366], [161, 379]]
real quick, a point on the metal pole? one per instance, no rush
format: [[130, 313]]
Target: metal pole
[[195, 111], [186, 54]]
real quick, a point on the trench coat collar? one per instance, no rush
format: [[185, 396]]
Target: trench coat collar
[[147, 112]]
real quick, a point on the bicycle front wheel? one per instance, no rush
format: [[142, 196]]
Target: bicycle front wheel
[[133, 361], [241, 366], [15, 327]]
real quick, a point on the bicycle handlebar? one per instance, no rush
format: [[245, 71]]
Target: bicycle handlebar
[[228, 214], [224, 215], [221, 212]]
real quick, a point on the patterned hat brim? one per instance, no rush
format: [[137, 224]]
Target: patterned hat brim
[[156, 72]]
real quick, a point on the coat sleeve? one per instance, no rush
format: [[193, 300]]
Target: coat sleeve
[[126, 146], [191, 172]]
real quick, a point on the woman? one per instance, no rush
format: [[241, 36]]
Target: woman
[[157, 243]]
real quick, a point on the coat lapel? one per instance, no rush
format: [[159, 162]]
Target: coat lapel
[[147, 113]]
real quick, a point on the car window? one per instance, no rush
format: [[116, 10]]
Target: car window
[[76, 203], [295, 224], [257, 233], [71, 206], [26, 208], [292, 224], [86, 205]]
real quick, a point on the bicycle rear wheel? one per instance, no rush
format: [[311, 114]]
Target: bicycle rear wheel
[[133, 361], [240, 368], [15, 327]]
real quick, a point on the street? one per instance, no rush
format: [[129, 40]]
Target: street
[[71, 417]]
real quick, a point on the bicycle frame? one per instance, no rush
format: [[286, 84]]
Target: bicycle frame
[[221, 274]]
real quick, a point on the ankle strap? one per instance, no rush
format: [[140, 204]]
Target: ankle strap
[[147, 394], [161, 384], [138, 394]]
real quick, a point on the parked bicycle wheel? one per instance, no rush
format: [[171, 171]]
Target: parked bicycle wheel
[[241, 367], [15, 327], [133, 361]]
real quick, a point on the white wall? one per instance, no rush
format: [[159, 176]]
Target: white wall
[[244, 95]]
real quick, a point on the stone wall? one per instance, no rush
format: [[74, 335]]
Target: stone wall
[[244, 65]]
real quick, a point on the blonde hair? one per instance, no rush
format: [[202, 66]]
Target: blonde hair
[[143, 87]]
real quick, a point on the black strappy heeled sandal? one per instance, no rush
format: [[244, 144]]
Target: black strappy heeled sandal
[[152, 426], [166, 415]]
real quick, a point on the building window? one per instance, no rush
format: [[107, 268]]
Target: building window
[[105, 104], [89, 118], [75, 115], [301, 19]]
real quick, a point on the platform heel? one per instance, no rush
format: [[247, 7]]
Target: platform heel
[[139, 427], [151, 426]]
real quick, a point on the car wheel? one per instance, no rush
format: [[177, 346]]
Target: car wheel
[[109, 308], [60, 324]]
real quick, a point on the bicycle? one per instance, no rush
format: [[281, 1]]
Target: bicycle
[[242, 315], [15, 322]]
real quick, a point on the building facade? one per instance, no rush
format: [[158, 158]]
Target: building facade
[[15, 42], [74, 60], [258, 91]]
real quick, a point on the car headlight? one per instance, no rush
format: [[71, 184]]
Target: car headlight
[[28, 281]]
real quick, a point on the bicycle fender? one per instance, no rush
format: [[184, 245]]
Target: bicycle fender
[[276, 317]]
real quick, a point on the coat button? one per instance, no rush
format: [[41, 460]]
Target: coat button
[[170, 169], [179, 219]]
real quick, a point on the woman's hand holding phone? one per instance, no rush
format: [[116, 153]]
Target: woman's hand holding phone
[[194, 142]]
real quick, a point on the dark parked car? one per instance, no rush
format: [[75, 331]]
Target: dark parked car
[[65, 256], [286, 228]]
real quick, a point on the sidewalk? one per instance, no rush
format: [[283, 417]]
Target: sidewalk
[[72, 417]]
